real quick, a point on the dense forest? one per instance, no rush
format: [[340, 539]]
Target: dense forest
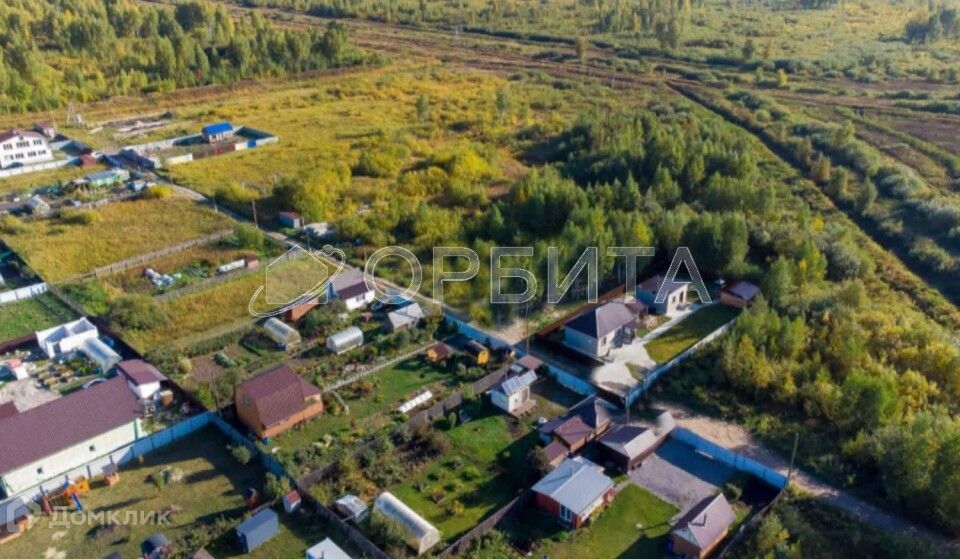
[[57, 51]]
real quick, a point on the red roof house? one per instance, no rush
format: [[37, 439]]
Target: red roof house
[[274, 401]]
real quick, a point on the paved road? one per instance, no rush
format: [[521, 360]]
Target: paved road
[[737, 439]]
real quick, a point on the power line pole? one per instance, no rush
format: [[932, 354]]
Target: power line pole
[[793, 455]]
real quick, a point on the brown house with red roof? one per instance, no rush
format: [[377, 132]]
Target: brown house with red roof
[[274, 401]]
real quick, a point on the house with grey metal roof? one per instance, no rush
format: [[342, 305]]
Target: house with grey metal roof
[[574, 491], [702, 529], [628, 445], [404, 317], [598, 330]]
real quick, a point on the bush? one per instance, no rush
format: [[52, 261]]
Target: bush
[[11, 225], [79, 217], [275, 487], [241, 453], [157, 192]]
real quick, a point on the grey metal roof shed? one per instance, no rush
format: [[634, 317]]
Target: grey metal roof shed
[[257, 529]]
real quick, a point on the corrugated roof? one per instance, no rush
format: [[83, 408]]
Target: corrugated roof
[[743, 289], [217, 128], [278, 394], [355, 290], [600, 321], [405, 315], [41, 431], [630, 440], [573, 431], [594, 411], [140, 372], [326, 549], [576, 484], [705, 523]]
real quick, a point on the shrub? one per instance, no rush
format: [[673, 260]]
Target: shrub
[[241, 453], [157, 192], [79, 217], [275, 487]]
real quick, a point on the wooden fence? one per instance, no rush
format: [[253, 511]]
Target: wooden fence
[[464, 541], [141, 259]]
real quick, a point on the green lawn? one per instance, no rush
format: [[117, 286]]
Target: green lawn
[[635, 525], [298, 532], [689, 331], [371, 412], [212, 486], [483, 471], [21, 318]]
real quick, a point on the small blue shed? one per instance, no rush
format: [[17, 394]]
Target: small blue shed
[[257, 529], [217, 132]]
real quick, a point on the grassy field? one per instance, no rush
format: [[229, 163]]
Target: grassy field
[[484, 470], [635, 525], [205, 313], [688, 331], [23, 317], [57, 250], [212, 487]]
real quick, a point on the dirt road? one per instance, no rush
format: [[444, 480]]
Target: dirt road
[[737, 439]]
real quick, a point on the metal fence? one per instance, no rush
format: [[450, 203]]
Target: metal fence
[[652, 376], [22, 293], [730, 458]]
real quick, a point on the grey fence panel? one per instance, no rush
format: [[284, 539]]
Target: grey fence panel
[[734, 460]]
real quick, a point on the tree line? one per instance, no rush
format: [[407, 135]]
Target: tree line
[[57, 51]]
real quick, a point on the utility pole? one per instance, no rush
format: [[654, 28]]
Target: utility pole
[[253, 204], [793, 455]]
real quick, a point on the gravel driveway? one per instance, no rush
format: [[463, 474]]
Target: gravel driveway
[[679, 475]]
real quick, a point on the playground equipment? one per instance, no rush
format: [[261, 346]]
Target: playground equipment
[[67, 497]]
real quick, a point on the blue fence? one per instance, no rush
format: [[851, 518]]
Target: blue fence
[[734, 460]]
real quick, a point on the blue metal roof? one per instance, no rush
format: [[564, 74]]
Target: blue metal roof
[[217, 128]]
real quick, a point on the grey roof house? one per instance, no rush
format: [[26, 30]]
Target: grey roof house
[[598, 330], [574, 491]]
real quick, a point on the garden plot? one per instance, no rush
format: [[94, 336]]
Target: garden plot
[[30, 315]]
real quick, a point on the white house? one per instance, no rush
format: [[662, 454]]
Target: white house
[[419, 534], [43, 445], [66, 338], [351, 288], [675, 299], [600, 329], [142, 378], [512, 395], [23, 147]]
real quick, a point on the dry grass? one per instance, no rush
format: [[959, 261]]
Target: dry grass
[[57, 251]]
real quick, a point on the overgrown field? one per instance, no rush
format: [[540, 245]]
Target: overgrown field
[[76, 242]]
